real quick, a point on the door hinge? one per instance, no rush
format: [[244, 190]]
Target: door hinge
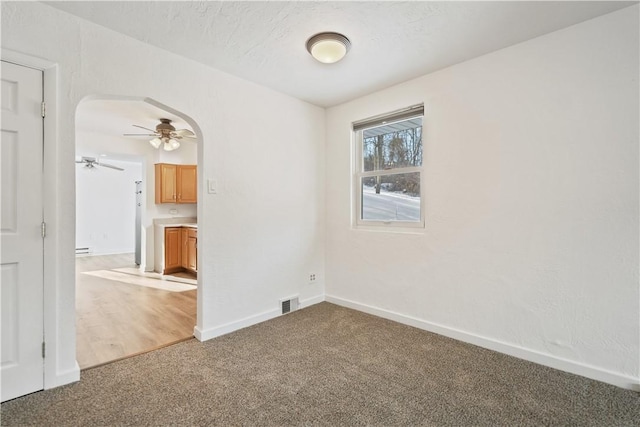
[[43, 229], [43, 350], [43, 109]]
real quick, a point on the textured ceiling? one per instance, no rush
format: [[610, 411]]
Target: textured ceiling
[[117, 117], [392, 42]]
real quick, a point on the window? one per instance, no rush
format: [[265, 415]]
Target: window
[[388, 170]]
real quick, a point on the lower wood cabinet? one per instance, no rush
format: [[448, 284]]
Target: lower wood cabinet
[[184, 240], [192, 250], [180, 249], [172, 250]]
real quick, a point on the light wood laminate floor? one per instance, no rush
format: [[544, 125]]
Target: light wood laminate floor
[[116, 320]]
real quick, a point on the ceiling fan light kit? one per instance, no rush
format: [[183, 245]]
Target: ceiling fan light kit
[[155, 142], [328, 47], [170, 144], [165, 135]]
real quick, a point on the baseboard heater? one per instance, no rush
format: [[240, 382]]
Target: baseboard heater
[[83, 251]]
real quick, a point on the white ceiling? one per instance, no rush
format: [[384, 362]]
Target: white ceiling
[[117, 117], [392, 42]]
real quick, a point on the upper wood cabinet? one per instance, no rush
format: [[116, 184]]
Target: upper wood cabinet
[[187, 183], [166, 176], [176, 183]]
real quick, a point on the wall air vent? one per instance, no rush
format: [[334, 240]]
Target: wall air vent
[[289, 305], [83, 251]]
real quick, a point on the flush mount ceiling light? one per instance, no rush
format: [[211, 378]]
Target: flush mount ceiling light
[[328, 47]]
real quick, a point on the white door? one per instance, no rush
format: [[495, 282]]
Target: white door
[[21, 247]]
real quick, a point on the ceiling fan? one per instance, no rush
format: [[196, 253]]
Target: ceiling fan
[[92, 162], [165, 134]]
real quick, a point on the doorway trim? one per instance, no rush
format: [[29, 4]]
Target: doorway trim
[[200, 311], [54, 318]]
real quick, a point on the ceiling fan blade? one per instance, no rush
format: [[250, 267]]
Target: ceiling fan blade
[[142, 127], [139, 134], [109, 166], [80, 161], [185, 133]]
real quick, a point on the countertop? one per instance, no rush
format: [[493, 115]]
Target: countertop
[[184, 221], [185, 224]]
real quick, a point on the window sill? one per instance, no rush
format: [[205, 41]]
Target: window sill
[[417, 230]]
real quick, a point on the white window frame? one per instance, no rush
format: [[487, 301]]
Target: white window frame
[[359, 173]]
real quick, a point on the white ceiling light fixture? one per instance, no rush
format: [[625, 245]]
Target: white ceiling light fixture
[[171, 144], [328, 47], [155, 142]]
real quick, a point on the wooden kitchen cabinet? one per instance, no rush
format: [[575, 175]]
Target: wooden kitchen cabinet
[[192, 250], [184, 241], [180, 249], [166, 176], [172, 249], [187, 183], [176, 183]]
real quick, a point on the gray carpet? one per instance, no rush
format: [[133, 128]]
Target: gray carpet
[[327, 365]]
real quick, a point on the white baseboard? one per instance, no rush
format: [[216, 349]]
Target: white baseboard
[[311, 301], [210, 333], [108, 252], [566, 365]]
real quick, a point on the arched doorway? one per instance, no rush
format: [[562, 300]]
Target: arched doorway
[[125, 304]]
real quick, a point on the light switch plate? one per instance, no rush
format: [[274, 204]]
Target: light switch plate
[[212, 186]]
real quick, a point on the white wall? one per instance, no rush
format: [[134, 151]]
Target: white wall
[[532, 191], [531, 186], [106, 207], [258, 237]]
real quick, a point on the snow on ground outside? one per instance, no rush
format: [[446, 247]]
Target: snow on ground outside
[[389, 206]]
